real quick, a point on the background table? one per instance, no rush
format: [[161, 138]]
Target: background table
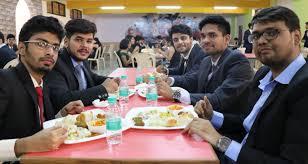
[[139, 146]]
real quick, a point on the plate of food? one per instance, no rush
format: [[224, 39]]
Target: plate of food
[[142, 91], [86, 126], [160, 118]]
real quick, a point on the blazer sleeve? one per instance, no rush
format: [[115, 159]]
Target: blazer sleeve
[[61, 94], [239, 74], [294, 141]]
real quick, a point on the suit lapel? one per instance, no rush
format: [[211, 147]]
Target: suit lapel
[[205, 80], [86, 71], [26, 79]]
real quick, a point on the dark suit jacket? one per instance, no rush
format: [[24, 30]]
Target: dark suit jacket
[[226, 85], [19, 116], [279, 133], [247, 45], [6, 55], [195, 57], [305, 38], [64, 85]]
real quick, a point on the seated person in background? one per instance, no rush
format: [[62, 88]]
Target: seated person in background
[[11, 42], [133, 48], [6, 54], [24, 97], [191, 57], [96, 45], [72, 79], [275, 131], [222, 76], [140, 43], [123, 53]]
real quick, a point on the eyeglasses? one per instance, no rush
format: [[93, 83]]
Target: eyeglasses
[[268, 34], [44, 45]]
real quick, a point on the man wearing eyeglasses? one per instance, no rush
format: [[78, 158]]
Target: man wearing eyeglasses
[[275, 131], [24, 97], [72, 78]]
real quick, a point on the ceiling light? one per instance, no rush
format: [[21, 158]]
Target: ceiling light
[[225, 7], [112, 7], [169, 7]]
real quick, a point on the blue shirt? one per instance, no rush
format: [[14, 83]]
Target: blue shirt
[[267, 85]]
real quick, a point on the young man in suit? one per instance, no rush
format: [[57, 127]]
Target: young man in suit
[[6, 54], [305, 37], [222, 76], [275, 131], [247, 44], [72, 79], [11, 42], [24, 98], [191, 53]]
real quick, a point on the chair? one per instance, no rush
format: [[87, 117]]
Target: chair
[[118, 59], [97, 58], [108, 49], [12, 63], [144, 60]]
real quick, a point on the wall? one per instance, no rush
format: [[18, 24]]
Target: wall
[[7, 13], [300, 8], [62, 19], [112, 27]]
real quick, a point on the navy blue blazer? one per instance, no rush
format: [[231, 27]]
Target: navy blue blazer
[[64, 87], [180, 78], [19, 114], [227, 83], [6, 55], [247, 45], [279, 133]]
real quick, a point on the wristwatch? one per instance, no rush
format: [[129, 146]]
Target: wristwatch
[[223, 143], [176, 95]]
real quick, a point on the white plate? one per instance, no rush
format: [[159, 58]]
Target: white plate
[[51, 123], [100, 104], [131, 92], [135, 111], [141, 91]]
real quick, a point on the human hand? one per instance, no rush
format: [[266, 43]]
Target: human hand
[[204, 109], [204, 129], [111, 85], [44, 140], [73, 107], [163, 89]]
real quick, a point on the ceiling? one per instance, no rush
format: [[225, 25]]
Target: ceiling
[[148, 6]]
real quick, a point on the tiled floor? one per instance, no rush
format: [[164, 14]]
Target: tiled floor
[[110, 66]]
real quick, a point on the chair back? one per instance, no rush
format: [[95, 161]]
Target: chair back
[[118, 59], [12, 63], [144, 60]]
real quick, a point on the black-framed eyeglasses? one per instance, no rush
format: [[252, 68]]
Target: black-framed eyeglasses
[[268, 34], [44, 45]]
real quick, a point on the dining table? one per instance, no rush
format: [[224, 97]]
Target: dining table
[[138, 145]]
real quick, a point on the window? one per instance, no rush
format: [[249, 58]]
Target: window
[[76, 14], [56, 8]]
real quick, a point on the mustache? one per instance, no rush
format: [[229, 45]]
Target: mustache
[[83, 49], [48, 59]]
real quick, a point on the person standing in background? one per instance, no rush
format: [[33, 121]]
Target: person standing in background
[[247, 44]]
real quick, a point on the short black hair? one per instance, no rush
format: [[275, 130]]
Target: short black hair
[[277, 13], [129, 37], [220, 21], [82, 26], [9, 36], [138, 37], [2, 37], [306, 23], [38, 24], [124, 44], [97, 41], [180, 28], [249, 25]]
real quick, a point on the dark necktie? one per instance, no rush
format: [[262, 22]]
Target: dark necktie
[[80, 77], [39, 92], [185, 65], [213, 70]]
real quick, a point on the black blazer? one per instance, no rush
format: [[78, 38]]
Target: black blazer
[[247, 45], [19, 114], [6, 55], [180, 78], [227, 83], [64, 87], [279, 133], [305, 39]]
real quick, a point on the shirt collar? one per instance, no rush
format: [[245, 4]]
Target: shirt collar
[[35, 83], [75, 63], [216, 62], [286, 75]]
